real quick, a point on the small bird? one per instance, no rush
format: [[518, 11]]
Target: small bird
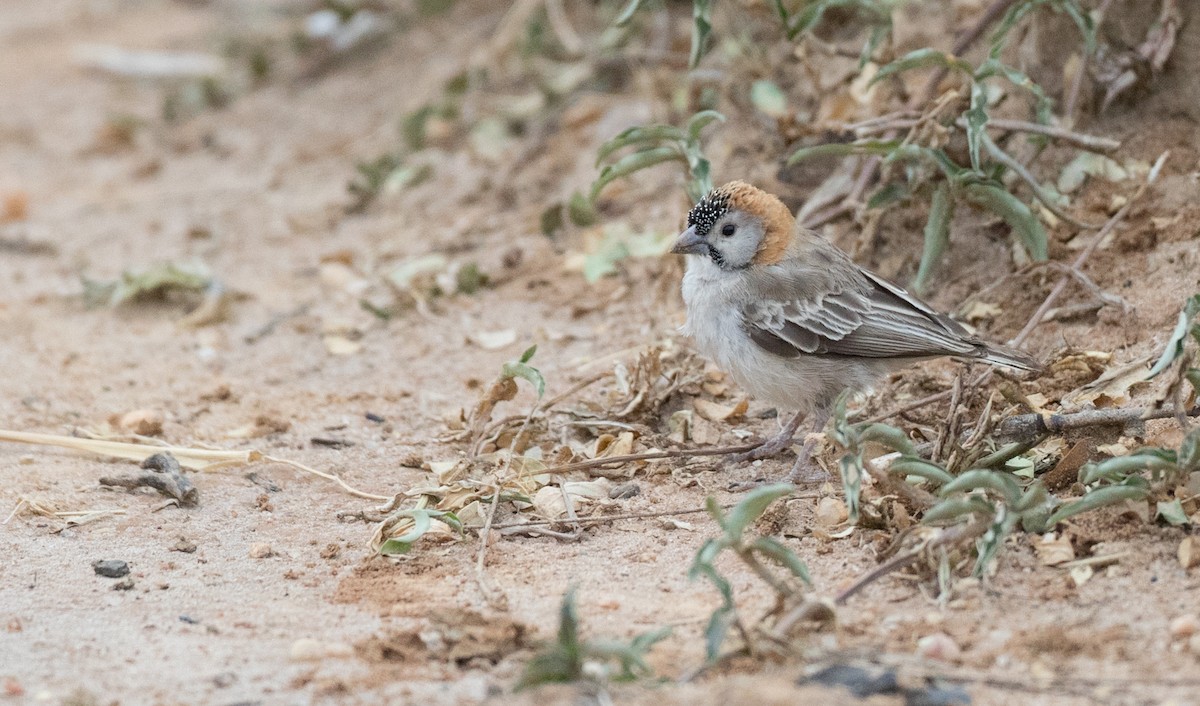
[[794, 321]]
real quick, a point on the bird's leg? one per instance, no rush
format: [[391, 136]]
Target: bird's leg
[[804, 470], [774, 445]]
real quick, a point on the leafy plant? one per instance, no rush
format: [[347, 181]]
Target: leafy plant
[[929, 169], [571, 659], [403, 528], [757, 552], [982, 489], [422, 522], [876, 14], [917, 166], [656, 144]]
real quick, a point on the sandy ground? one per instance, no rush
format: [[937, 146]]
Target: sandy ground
[[257, 192]]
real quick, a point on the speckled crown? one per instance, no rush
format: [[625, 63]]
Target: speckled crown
[[777, 218]]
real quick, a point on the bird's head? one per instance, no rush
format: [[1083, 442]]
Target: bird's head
[[737, 225]]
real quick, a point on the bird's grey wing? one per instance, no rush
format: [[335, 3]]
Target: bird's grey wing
[[851, 313]]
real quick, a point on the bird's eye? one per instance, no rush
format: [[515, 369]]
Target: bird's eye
[[728, 229]]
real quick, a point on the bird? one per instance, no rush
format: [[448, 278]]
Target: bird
[[795, 321]]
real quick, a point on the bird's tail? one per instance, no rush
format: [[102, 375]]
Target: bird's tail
[[1003, 355]]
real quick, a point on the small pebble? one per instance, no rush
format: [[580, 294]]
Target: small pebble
[[143, 422], [939, 646], [831, 512], [261, 550], [1185, 626], [624, 491], [125, 584], [306, 649], [111, 568], [184, 545], [1189, 553]]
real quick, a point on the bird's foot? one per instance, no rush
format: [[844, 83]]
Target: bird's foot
[[803, 472], [771, 447], [806, 472]]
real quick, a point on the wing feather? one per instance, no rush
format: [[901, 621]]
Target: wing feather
[[862, 315]]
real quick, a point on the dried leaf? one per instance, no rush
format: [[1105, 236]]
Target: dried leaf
[[1112, 388], [1081, 574], [981, 311], [548, 502], [340, 345], [1089, 164], [714, 412], [1053, 550], [768, 98], [493, 340]]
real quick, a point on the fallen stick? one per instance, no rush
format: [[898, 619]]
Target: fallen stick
[[1030, 426]]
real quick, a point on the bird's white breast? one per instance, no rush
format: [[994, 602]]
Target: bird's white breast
[[715, 299]]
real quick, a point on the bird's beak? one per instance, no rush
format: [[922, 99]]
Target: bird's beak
[[688, 243]]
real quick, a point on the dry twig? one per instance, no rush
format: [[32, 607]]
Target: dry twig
[[1031, 426]]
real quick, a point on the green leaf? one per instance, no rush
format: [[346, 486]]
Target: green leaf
[[715, 632], [913, 466], [412, 126], [878, 34], [1083, 20], [700, 183], [1098, 498], [1116, 469], [1014, 212], [403, 544], [977, 119], [991, 541], [1171, 512], [921, 59], [753, 506], [581, 210], [637, 135], [997, 481], [843, 149], [782, 11], [1188, 457], [954, 508], [889, 194], [713, 508], [994, 67], [1193, 377], [776, 551], [1014, 15], [889, 436], [632, 163], [561, 661], [874, 12], [768, 98], [701, 27], [627, 13], [519, 369], [937, 234], [851, 469], [1001, 456], [551, 220], [568, 624], [1174, 347], [701, 120], [1034, 496], [154, 281]]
